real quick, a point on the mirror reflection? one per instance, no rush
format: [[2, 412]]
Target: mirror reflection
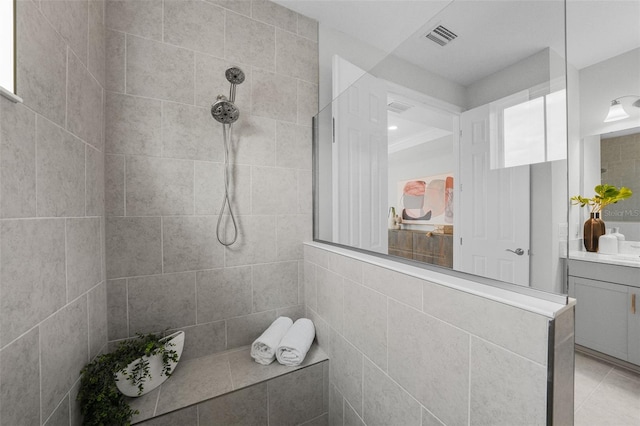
[[451, 151]]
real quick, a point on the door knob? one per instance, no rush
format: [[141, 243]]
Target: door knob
[[517, 251]]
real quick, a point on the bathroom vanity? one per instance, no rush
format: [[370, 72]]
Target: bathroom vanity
[[607, 290]]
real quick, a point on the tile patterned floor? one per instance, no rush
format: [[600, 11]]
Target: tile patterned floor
[[605, 395]]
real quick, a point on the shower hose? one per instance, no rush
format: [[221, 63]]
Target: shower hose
[[226, 136]]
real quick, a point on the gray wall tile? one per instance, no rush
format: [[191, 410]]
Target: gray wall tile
[[114, 67], [401, 287], [195, 25], [249, 42], [296, 56], [310, 291], [429, 419], [294, 312], [17, 160], [97, 39], [60, 171], [114, 185], [307, 102], [296, 397], [210, 82], [133, 246], [505, 386], [365, 321], [161, 301], [275, 285], [347, 267], [442, 384], [94, 184], [97, 308], [243, 7], [336, 406], [75, 415], [133, 125], [246, 407], [117, 310], [305, 201], [84, 104], [256, 241], [209, 188], [346, 370], [203, 339], [20, 380], [159, 71], [64, 351], [244, 330], [223, 293], [139, 17], [385, 402], [256, 140], [272, 95], [33, 274], [158, 186], [351, 418], [293, 146], [84, 255], [322, 329], [41, 64], [185, 417], [60, 416], [515, 329], [189, 244], [308, 28], [330, 290], [274, 14], [273, 190], [190, 132], [70, 19]]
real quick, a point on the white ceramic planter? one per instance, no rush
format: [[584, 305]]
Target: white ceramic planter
[[155, 368]]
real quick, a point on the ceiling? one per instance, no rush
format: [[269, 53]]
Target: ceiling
[[512, 29]]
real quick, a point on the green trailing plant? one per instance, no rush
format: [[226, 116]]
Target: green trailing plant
[[605, 195], [101, 402]]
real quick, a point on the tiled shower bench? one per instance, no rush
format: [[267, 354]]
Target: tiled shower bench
[[230, 388]]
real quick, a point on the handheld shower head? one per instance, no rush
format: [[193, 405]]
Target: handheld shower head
[[225, 111], [234, 75]]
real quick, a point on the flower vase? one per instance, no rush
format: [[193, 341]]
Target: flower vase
[[593, 229]]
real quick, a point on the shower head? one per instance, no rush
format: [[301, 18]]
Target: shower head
[[225, 111], [234, 75]]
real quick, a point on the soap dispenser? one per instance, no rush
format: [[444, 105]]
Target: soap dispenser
[[608, 243], [616, 233]]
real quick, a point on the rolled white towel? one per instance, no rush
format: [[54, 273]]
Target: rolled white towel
[[296, 343], [263, 349]]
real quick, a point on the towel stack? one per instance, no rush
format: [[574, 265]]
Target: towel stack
[[287, 341]]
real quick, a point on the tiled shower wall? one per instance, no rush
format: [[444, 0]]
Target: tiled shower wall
[[52, 291], [164, 167], [406, 351]]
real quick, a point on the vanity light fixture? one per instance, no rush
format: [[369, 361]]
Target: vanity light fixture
[[617, 112], [392, 128]]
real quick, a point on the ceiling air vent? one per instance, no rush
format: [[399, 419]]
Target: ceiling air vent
[[398, 107], [441, 35]]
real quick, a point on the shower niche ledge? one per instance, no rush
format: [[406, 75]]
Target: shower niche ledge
[[226, 387]]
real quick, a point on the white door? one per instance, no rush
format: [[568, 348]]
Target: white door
[[494, 207], [359, 158]]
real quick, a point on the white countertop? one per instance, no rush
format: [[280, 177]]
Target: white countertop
[[632, 260]]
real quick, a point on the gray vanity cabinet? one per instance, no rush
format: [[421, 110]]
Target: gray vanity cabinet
[[607, 312]]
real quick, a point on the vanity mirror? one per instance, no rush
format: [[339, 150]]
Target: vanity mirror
[[461, 130]]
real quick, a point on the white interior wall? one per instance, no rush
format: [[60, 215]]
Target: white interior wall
[[603, 82]]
